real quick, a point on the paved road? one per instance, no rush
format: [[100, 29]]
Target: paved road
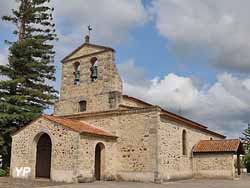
[[6, 182], [244, 182]]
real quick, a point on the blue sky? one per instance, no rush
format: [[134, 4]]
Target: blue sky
[[189, 57], [149, 50]]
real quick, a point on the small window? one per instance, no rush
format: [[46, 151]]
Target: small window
[[211, 138], [77, 73], [184, 142], [94, 68], [82, 106]]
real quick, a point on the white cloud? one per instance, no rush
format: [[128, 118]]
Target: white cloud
[[111, 19], [3, 56], [3, 59], [223, 106], [6, 6], [217, 30], [136, 74]]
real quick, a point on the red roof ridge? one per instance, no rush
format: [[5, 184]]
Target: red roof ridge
[[186, 119], [215, 146], [78, 126], [230, 139], [130, 107], [178, 117], [164, 110], [108, 112], [138, 100]]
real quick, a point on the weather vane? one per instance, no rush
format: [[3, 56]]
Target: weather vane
[[90, 29]]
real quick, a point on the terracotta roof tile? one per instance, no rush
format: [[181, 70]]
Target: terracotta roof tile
[[214, 146], [77, 126]]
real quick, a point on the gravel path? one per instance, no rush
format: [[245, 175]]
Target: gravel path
[[243, 182], [6, 182]]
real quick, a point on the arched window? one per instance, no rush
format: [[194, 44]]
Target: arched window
[[77, 73], [184, 142], [82, 106], [94, 68], [211, 138]]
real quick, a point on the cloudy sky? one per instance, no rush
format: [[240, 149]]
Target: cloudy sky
[[190, 56]]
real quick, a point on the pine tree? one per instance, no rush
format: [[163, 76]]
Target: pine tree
[[246, 139], [26, 90]]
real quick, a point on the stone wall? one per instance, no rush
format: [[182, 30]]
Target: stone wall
[[214, 165], [83, 51], [136, 143], [132, 103], [64, 150], [172, 163], [99, 94], [86, 159], [101, 102]]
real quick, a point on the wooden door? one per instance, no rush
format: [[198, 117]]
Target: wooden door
[[43, 157], [98, 162]]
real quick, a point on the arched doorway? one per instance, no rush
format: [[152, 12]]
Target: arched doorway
[[99, 161], [43, 156]]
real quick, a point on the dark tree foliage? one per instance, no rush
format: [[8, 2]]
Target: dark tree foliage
[[25, 87], [246, 139]]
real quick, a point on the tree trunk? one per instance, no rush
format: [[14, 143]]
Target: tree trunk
[[22, 28]]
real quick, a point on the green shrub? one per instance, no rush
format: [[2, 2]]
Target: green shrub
[[247, 162], [2, 173], [242, 165]]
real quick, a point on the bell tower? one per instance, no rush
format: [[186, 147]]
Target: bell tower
[[90, 80]]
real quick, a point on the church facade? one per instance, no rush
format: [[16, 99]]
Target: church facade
[[98, 133]]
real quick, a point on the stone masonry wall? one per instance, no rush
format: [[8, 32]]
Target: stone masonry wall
[[84, 51], [86, 159], [136, 143], [98, 93], [132, 103], [101, 102], [64, 150], [214, 165], [172, 163]]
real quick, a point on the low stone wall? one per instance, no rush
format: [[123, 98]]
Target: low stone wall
[[214, 166]]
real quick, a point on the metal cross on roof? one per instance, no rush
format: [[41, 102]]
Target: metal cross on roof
[[90, 29]]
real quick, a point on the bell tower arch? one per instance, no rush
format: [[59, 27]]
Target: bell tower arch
[[89, 74]]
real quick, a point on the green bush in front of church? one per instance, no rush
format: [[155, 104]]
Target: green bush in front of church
[[247, 162]]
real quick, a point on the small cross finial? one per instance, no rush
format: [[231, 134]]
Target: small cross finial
[[90, 29], [87, 37]]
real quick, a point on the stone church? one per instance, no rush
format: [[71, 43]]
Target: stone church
[[98, 133]]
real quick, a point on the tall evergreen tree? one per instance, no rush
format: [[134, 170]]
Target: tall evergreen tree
[[25, 92], [246, 138]]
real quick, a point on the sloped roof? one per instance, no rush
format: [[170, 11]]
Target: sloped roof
[[164, 112], [218, 146], [77, 126], [175, 117], [102, 48], [137, 100]]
